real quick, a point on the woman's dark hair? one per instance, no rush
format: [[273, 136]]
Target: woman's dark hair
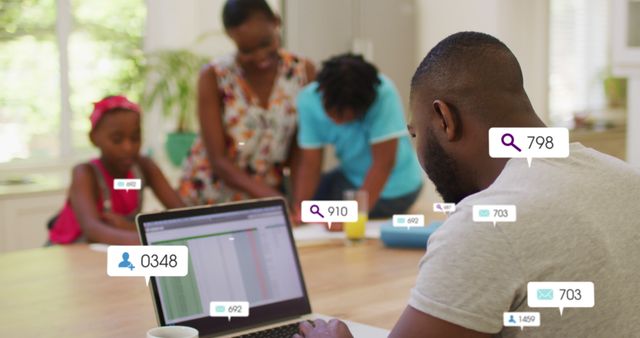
[[236, 12], [348, 81]]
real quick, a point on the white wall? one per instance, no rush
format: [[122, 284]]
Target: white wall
[[179, 24], [626, 63], [382, 30], [520, 24], [633, 120]]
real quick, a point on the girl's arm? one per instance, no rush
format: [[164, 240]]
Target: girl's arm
[[212, 133], [158, 182], [84, 194]]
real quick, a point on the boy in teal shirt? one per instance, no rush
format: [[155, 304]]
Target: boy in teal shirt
[[358, 111]]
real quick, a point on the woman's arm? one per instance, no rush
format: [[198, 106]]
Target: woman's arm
[[84, 194], [310, 70], [212, 133], [158, 182]]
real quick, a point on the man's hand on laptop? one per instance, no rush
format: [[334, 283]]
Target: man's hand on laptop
[[321, 329]]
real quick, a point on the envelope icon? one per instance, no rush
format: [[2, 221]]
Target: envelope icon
[[545, 294]]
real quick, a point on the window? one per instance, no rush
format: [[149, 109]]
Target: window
[[29, 83], [578, 63], [56, 58]]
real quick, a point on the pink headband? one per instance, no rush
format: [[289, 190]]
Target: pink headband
[[110, 103]]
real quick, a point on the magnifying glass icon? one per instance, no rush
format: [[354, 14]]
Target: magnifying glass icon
[[507, 140], [315, 209]]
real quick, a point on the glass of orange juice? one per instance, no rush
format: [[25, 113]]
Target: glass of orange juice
[[355, 231]]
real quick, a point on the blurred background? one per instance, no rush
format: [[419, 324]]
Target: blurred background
[[580, 58]]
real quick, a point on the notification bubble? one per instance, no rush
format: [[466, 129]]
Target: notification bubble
[[529, 143], [127, 184], [494, 213], [446, 208], [408, 221], [521, 319], [560, 294], [229, 309], [329, 211], [147, 261]]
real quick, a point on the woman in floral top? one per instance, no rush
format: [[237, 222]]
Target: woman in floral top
[[246, 109]]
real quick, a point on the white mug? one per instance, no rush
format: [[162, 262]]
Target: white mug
[[172, 332]]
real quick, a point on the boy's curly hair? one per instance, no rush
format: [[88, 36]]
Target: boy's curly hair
[[348, 81]]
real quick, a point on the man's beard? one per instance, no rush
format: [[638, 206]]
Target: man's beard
[[442, 171]]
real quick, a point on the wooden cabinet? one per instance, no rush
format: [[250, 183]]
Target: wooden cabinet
[[23, 219]]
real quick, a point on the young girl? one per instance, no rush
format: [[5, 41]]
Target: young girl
[[95, 211]]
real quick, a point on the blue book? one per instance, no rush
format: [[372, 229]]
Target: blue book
[[402, 237]]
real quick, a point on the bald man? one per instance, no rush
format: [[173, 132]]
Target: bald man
[[578, 217]]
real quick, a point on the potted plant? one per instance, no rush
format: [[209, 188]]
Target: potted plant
[[615, 90], [171, 82]]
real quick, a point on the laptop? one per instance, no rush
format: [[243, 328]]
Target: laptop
[[237, 252]]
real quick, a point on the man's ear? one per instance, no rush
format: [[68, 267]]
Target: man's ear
[[448, 119]]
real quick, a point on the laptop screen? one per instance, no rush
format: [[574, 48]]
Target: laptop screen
[[237, 252]]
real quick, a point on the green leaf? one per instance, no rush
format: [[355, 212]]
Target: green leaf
[[171, 76]]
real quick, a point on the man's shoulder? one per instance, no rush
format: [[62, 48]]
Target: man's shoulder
[[460, 227], [473, 219]]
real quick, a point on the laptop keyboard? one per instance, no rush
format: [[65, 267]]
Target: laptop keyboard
[[284, 331]]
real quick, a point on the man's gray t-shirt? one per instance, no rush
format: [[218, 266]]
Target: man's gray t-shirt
[[578, 219]]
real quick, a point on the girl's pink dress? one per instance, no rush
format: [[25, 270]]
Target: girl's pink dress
[[66, 228]]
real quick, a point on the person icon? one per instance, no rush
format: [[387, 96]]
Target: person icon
[[512, 320], [125, 262]]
